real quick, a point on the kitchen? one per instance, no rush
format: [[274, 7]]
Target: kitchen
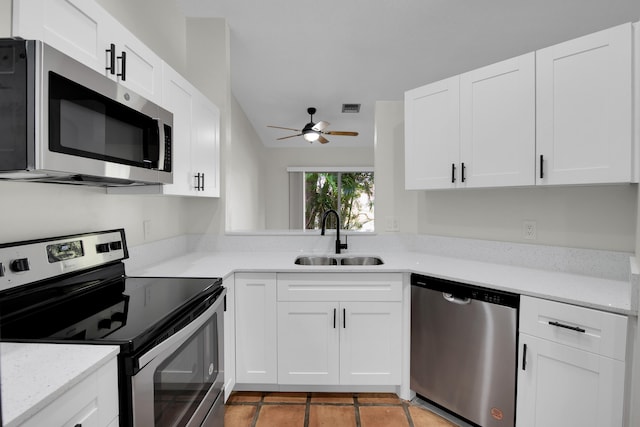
[[598, 217]]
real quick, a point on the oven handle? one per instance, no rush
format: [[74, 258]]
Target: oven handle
[[180, 337]]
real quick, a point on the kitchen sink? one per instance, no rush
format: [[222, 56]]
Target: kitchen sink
[[338, 260]]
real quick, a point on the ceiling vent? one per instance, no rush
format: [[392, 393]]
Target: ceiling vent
[[350, 108]]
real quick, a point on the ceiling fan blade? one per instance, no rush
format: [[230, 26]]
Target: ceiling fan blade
[[322, 140], [290, 136], [320, 125], [338, 132], [280, 127]]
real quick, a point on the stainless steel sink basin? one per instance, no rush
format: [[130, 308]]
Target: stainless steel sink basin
[[338, 260], [361, 260], [316, 260]]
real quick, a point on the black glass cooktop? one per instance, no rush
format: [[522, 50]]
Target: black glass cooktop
[[132, 312]]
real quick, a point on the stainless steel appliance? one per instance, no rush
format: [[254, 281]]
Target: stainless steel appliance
[[73, 289], [463, 349], [63, 122]]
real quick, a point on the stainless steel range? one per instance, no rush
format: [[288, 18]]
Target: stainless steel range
[[73, 289]]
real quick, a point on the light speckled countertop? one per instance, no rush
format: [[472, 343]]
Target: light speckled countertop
[[34, 375], [604, 294]]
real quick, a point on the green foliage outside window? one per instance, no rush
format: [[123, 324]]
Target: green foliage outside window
[[351, 194]]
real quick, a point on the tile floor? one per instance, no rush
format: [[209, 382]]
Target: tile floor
[[257, 409]]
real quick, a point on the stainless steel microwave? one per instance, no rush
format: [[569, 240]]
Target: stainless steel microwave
[[61, 121]]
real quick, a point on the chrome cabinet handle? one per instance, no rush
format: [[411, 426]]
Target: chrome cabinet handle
[[456, 300], [573, 328]]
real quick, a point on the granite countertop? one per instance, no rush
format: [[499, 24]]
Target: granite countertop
[[604, 294], [34, 375]]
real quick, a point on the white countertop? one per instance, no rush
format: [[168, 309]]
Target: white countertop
[[604, 294], [34, 375]]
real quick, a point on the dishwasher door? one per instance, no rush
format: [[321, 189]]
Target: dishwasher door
[[464, 349]]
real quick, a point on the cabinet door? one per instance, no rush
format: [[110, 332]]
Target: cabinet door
[[256, 350], [143, 68], [178, 98], [584, 109], [308, 343], [370, 343], [74, 27], [497, 124], [432, 135], [562, 386], [205, 146]]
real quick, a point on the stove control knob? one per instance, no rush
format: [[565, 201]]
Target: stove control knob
[[115, 246], [102, 248], [20, 264], [104, 324]]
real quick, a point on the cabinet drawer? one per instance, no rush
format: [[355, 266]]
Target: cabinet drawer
[[579, 327], [339, 287]]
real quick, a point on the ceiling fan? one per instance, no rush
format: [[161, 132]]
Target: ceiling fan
[[314, 131]]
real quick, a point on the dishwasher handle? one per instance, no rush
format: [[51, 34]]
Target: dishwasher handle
[[460, 301]]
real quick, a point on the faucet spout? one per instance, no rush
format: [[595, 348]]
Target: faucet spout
[[339, 245]]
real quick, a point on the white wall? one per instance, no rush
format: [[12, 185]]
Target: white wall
[[276, 161], [393, 202]]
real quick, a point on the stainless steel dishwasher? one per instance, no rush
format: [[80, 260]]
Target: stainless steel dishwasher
[[464, 349]]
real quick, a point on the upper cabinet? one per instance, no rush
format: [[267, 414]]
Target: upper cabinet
[[87, 33], [473, 130], [584, 109], [561, 115]]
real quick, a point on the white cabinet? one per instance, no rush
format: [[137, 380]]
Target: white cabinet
[[256, 327], [86, 32], [473, 130], [584, 109], [339, 328], [432, 135], [497, 124], [572, 369], [91, 403]]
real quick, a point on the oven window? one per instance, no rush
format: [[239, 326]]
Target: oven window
[[181, 382], [87, 124]]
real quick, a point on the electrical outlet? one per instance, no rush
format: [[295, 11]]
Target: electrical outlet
[[529, 230], [392, 224]]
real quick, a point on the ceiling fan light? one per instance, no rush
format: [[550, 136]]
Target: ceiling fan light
[[311, 136]]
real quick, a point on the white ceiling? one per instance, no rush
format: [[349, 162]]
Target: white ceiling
[[287, 55]]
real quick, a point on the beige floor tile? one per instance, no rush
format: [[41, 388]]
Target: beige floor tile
[[346, 398], [383, 416], [384, 398], [285, 397], [245, 397], [332, 416], [424, 418], [239, 415], [280, 416]]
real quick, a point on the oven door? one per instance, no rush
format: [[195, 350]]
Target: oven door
[[181, 380]]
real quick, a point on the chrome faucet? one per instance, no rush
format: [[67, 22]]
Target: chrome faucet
[[339, 245]]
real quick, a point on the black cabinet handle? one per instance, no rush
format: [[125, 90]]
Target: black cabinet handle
[[462, 177], [573, 328], [524, 357], [453, 172], [344, 318], [334, 317], [202, 186], [541, 166], [111, 68], [123, 66]]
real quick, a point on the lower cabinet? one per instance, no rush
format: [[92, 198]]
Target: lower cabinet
[[91, 403], [355, 339], [255, 306], [571, 366]]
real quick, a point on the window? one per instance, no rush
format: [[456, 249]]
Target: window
[[349, 192]]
